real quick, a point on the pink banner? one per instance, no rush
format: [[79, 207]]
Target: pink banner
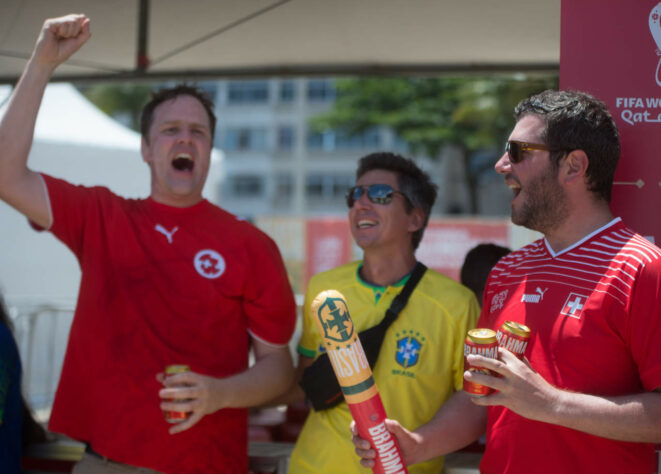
[[443, 248], [328, 244], [446, 242], [613, 50]]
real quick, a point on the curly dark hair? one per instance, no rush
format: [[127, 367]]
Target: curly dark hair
[[163, 95], [414, 183], [578, 121]]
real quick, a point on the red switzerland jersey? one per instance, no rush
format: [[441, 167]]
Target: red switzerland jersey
[[594, 311], [161, 285]]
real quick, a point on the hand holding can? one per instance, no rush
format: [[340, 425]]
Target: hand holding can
[[175, 416], [482, 342]]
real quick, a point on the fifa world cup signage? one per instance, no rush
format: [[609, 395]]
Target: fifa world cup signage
[[613, 50]]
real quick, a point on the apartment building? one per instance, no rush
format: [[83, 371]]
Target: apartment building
[[276, 163]]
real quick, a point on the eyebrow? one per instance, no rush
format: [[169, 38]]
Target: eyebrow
[[179, 122]]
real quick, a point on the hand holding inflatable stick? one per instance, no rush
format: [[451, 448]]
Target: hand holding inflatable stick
[[355, 377]]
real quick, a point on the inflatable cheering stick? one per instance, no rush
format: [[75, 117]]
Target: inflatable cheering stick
[[355, 377]]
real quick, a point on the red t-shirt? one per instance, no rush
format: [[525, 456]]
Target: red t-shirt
[[595, 314], [161, 285]]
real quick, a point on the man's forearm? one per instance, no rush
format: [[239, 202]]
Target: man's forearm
[[17, 126], [201, 395], [294, 393], [457, 424], [268, 378], [635, 418]]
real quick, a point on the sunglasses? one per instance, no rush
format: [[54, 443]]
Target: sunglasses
[[515, 149], [376, 193]]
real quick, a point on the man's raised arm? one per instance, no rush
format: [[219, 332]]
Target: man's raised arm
[[19, 186]]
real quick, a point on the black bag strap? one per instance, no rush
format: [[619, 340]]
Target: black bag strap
[[402, 298], [319, 382]]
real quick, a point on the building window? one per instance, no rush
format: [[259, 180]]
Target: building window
[[328, 186], [314, 186], [287, 91], [368, 139], [321, 90], [247, 185], [210, 87], [315, 140], [248, 92], [400, 145], [332, 140], [245, 139], [284, 187], [286, 137]]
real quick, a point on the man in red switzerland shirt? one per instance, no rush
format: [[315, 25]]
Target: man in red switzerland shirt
[[587, 397], [171, 279]]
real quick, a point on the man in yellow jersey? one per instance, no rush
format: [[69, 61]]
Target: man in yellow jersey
[[420, 364]]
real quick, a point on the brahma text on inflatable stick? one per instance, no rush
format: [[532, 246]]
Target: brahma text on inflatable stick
[[355, 377]]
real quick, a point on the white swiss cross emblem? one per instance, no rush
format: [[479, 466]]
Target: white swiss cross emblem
[[573, 307], [209, 263]]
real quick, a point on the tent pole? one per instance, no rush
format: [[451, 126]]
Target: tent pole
[[142, 59]]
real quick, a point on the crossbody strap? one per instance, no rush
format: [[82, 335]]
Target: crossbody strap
[[402, 298]]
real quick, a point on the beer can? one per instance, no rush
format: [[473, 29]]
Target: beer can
[[175, 416], [482, 342], [514, 337]]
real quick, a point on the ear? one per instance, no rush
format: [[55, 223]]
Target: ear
[[144, 150], [574, 166], [416, 220]]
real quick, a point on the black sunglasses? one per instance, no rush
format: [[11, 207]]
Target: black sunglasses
[[376, 193], [515, 149]]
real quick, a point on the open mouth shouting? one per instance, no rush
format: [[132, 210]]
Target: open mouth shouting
[[183, 162]]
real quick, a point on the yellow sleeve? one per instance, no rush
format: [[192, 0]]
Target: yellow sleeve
[[467, 320], [310, 338]]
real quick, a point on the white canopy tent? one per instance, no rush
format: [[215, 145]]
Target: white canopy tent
[[169, 38]]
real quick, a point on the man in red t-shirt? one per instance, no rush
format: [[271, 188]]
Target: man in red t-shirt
[[171, 279], [587, 397]]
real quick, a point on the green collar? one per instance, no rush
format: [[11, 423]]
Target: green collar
[[380, 290]]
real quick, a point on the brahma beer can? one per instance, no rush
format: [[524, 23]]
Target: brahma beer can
[[482, 342], [514, 337], [175, 416]]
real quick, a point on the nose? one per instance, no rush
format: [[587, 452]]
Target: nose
[[503, 165], [185, 136]]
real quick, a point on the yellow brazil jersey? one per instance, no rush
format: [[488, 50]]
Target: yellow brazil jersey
[[419, 367]]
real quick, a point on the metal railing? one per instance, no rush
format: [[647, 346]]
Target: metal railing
[[41, 333]]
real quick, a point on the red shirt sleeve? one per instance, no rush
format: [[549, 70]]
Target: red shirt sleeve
[[645, 325], [268, 299]]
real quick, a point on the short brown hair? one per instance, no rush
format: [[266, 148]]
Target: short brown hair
[[163, 95]]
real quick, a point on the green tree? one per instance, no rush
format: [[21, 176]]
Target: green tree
[[120, 100], [472, 114]]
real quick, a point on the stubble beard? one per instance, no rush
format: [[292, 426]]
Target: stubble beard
[[546, 206]]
